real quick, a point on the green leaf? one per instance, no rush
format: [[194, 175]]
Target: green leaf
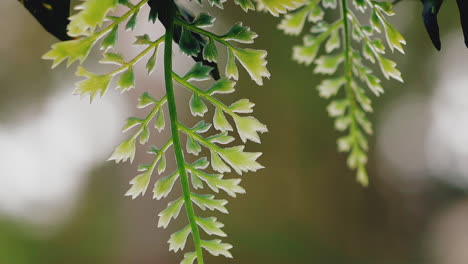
[[162, 165], [241, 34], [124, 151], [127, 80], [171, 212], [307, 53], [92, 85], [216, 248], [71, 49], [221, 138], [150, 65], [160, 121], [188, 43], [337, 107], [143, 40], [222, 86], [242, 106], [203, 20], [333, 42], [216, 182], [220, 122], [164, 185], [210, 53], [92, 14], [198, 72], [131, 24], [132, 122], [211, 226], [189, 258], [192, 146], [196, 182], [254, 62], [201, 127], [112, 58], [208, 201], [389, 69], [330, 87], [394, 38], [293, 23], [197, 106], [139, 185], [276, 7], [218, 164], [246, 5], [111, 39], [328, 64], [145, 100], [231, 67], [239, 160], [145, 135], [329, 4], [178, 240], [248, 128]]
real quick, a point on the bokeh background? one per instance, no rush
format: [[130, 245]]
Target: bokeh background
[[61, 202]]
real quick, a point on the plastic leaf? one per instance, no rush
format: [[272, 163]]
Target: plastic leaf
[[164, 185], [189, 258], [192, 146], [231, 67], [203, 20], [198, 72], [220, 122], [246, 5], [254, 62], [222, 86], [131, 24], [328, 64], [139, 185], [248, 128], [171, 212], [91, 15], [197, 106], [276, 7], [330, 87], [218, 164], [211, 226], [178, 240], [92, 85], [112, 58], [145, 135], [241, 161], [242, 106], [126, 80], [188, 43], [240, 34], [71, 49], [208, 201], [160, 121], [216, 248], [111, 39], [124, 151], [210, 53]]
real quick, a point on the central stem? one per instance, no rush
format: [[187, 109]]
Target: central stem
[[170, 14]]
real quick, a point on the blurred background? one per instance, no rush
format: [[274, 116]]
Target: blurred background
[[61, 202]]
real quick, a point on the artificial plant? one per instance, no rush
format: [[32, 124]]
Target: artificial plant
[[95, 25], [351, 49]]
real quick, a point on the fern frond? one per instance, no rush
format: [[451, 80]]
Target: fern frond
[[196, 41], [351, 108]]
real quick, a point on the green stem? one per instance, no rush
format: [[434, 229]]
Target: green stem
[[348, 67], [198, 30], [175, 130]]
